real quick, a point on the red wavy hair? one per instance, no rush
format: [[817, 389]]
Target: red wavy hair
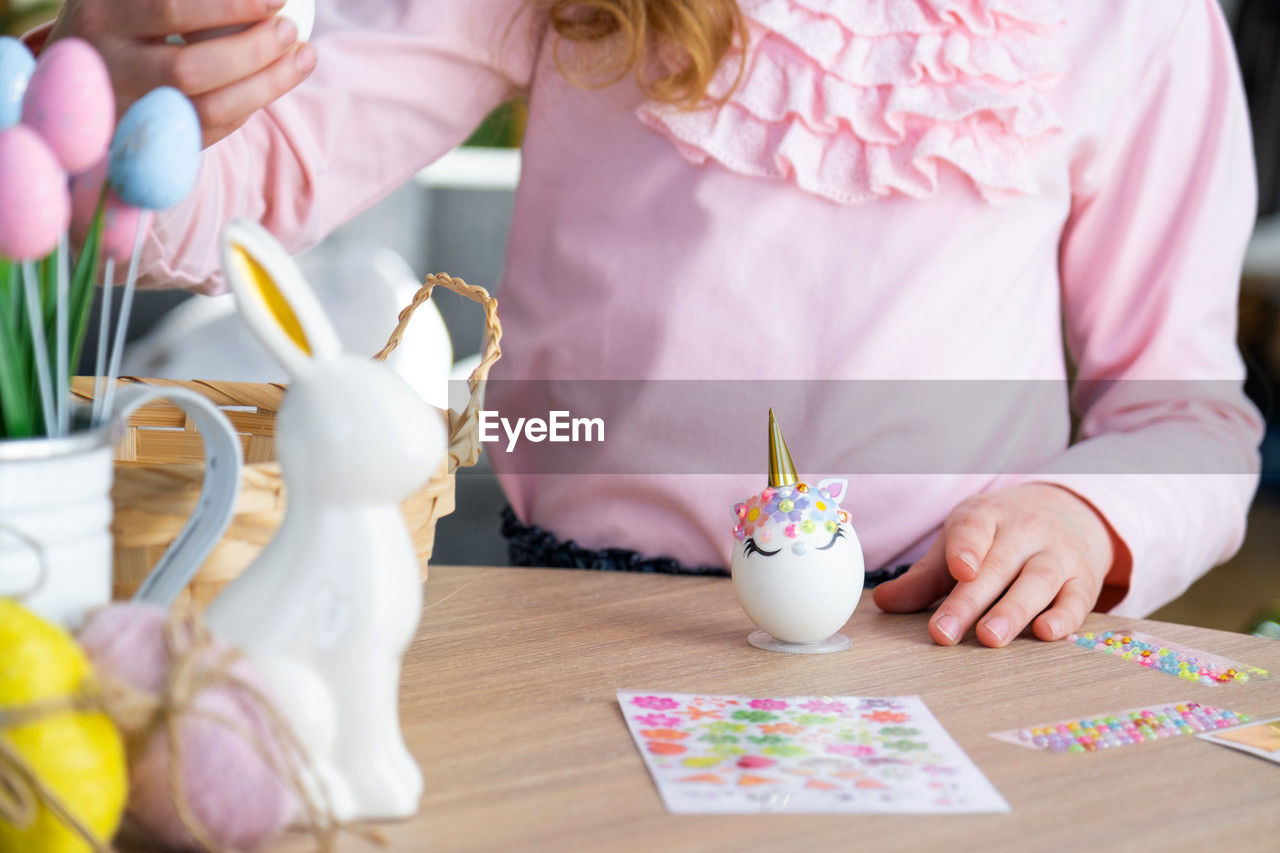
[[673, 47]]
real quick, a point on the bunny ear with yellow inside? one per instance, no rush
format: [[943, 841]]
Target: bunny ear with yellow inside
[[274, 299]]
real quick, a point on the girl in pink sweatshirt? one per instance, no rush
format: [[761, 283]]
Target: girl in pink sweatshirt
[[942, 202]]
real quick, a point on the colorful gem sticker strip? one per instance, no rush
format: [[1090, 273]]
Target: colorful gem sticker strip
[[1123, 728], [803, 754], [1171, 658]]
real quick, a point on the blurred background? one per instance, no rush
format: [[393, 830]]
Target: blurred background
[[454, 217]]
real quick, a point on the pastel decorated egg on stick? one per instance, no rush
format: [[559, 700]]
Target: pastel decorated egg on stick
[[70, 103], [120, 222], [35, 208], [797, 565], [122, 227], [155, 153], [153, 163], [16, 66]]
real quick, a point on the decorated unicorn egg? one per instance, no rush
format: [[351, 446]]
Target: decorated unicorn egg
[[797, 565]]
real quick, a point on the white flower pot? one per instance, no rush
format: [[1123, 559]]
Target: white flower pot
[[55, 510], [57, 491]]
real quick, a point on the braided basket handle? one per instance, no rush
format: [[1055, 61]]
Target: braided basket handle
[[464, 429]]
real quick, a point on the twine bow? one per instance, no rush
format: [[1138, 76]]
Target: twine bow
[[196, 663]]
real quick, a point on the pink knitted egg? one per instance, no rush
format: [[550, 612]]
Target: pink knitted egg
[[230, 787], [120, 221], [35, 205], [70, 103]]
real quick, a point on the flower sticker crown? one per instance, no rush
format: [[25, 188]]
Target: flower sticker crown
[[789, 511]]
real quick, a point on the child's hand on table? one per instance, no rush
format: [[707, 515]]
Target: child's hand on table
[[1041, 543], [227, 78]]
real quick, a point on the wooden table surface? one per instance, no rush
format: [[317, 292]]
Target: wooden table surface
[[508, 704]]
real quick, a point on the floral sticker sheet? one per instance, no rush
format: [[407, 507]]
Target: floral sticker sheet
[[803, 754]]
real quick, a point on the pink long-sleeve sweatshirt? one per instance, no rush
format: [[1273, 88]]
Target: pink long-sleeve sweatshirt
[[896, 229]]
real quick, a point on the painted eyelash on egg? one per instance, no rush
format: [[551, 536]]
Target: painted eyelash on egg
[[750, 547], [839, 534]]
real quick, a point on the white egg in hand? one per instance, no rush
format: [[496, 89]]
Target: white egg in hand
[[303, 15], [301, 12]]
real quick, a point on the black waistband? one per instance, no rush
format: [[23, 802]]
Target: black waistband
[[530, 546]]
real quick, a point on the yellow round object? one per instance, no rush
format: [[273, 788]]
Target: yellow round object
[[77, 755]]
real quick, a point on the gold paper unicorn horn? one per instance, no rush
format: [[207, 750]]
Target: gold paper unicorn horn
[[782, 471]]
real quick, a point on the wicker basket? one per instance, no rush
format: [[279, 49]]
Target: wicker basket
[[159, 466]]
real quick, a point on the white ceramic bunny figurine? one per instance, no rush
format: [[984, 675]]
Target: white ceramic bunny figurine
[[329, 607]]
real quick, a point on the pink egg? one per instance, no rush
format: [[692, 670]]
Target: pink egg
[[228, 745], [120, 228], [120, 221], [85, 189], [70, 103], [35, 206]]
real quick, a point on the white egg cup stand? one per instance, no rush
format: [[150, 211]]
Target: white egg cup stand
[[764, 640]]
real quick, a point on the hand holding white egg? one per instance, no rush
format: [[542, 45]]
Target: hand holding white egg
[[303, 15], [301, 12], [258, 57]]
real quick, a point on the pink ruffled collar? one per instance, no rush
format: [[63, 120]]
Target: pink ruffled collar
[[855, 100]]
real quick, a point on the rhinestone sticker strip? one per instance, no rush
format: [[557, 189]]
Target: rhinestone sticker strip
[[1123, 728], [1170, 658]]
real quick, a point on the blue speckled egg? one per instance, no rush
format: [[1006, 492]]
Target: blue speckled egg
[[16, 65], [155, 155]]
